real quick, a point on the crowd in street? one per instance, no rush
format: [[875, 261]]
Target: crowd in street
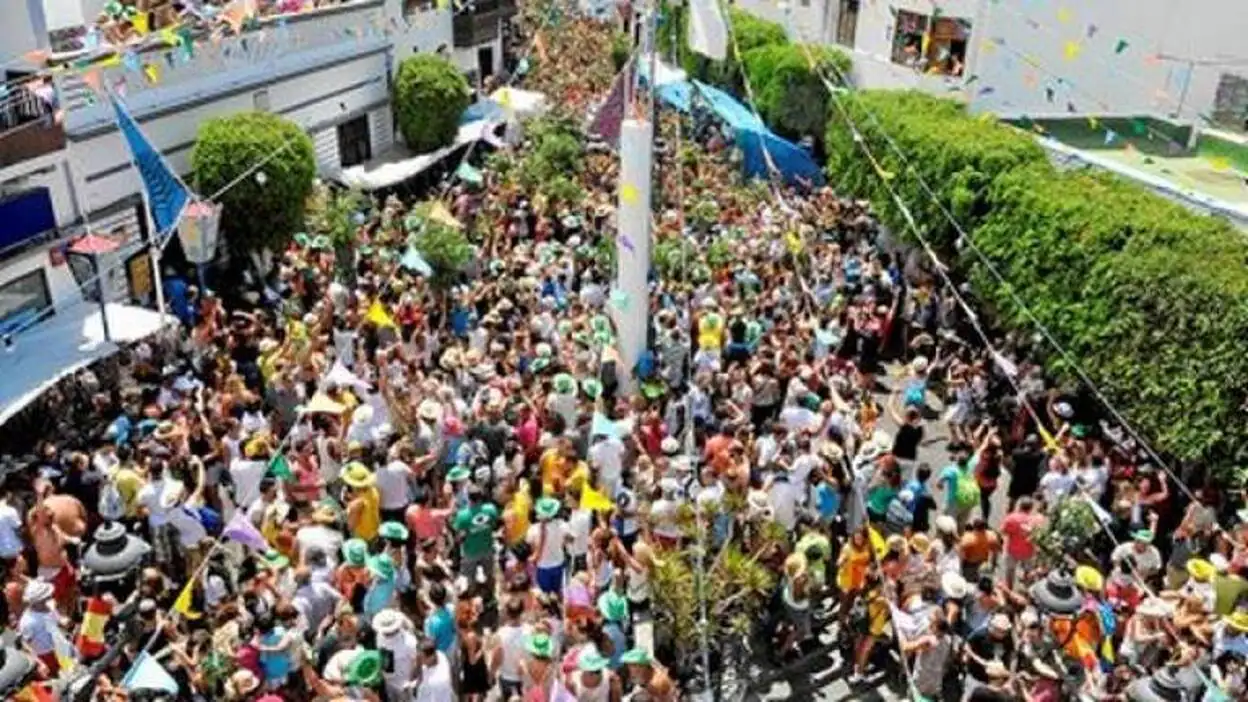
[[369, 487]]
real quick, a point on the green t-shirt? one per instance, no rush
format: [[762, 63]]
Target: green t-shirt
[[477, 524]]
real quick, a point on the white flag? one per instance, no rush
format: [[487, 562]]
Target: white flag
[[708, 32]]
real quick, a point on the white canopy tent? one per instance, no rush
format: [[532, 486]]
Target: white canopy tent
[[399, 164], [63, 345]]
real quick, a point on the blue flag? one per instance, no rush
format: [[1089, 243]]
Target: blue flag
[[166, 196]]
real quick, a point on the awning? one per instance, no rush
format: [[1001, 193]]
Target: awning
[[63, 345], [399, 164]]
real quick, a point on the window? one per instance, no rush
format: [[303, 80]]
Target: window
[[847, 23], [931, 45], [260, 100], [908, 37], [354, 145], [485, 61], [23, 299]]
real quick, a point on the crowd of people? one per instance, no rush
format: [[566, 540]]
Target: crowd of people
[[366, 487]]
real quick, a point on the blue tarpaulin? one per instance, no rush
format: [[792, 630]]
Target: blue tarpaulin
[[753, 137]]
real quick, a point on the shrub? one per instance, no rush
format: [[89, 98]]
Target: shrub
[[749, 31], [621, 47], [791, 96], [264, 210], [446, 249], [430, 95], [956, 154]]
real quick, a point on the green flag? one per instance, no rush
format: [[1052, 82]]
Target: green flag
[[279, 467]]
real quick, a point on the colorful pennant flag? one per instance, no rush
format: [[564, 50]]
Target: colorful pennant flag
[[378, 315], [1121, 46], [141, 23], [152, 72], [595, 501], [66, 654], [1071, 50], [279, 467], [183, 605], [1220, 163], [241, 530], [628, 194]]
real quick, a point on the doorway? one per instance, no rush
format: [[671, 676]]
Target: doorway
[[485, 62], [354, 145]]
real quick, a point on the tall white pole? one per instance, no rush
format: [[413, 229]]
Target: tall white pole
[[633, 243], [155, 250]]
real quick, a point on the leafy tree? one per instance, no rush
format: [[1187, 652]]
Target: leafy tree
[[430, 95], [621, 47], [792, 97], [1069, 530], [263, 210], [338, 215], [445, 248]]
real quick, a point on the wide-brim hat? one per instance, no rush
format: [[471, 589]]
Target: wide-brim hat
[[429, 410], [592, 387], [946, 525], [243, 682], [1057, 594], [365, 669], [1201, 570], [565, 384], [172, 494], [636, 656], [37, 591], [1155, 607], [540, 646], [592, 662], [381, 566], [669, 445], [274, 560], [1089, 578], [325, 515], [954, 585], [458, 473], [1143, 536], [393, 530], [16, 669], [114, 551], [920, 544], [612, 606], [388, 622], [1237, 620], [357, 475], [355, 552], [546, 508]]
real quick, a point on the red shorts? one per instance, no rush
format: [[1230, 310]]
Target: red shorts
[[49, 660], [64, 582]]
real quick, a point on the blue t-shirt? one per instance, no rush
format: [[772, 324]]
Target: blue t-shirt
[[828, 501], [461, 319], [276, 665], [379, 596], [619, 643], [440, 626], [949, 481]]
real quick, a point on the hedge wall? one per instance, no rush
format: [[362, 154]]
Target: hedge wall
[[1151, 298], [792, 98]]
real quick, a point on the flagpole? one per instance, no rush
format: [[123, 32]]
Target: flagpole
[[156, 252]]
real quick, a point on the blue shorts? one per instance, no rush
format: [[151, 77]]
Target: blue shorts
[[550, 580]]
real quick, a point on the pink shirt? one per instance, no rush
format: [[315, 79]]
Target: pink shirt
[[1017, 528], [426, 522]]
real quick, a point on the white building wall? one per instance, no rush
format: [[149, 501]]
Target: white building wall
[[381, 129], [812, 21], [467, 59]]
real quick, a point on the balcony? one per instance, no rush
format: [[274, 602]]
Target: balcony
[[28, 128], [481, 23], [159, 77]]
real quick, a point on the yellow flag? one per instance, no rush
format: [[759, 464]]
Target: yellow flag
[[152, 72], [1050, 443], [378, 315], [1220, 163], [595, 501], [877, 543], [139, 21], [1071, 50], [111, 61], [182, 605]]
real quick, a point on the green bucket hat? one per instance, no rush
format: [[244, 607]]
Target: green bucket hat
[[546, 508], [382, 566], [653, 389], [612, 606], [355, 552], [274, 560], [565, 384], [581, 338], [636, 656], [540, 646], [302, 239], [365, 250], [458, 473], [539, 364], [364, 670], [603, 337], [600, 324], [320, 242], [393, 530], [592, 387], [592, 662], [1143, 535]]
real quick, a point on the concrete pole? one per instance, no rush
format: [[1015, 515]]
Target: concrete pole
[[632, 244]]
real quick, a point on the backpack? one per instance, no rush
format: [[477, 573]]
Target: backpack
[[966, 490]]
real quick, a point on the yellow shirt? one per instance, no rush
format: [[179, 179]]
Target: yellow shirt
[[552, 464], [711, 332], [368, 519], [518, 526], [128, 484]]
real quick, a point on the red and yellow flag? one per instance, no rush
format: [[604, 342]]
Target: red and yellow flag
[[90, 641]]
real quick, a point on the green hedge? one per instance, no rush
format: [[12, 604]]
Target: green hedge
[[792, 98], [430, 96], [956, 155], [1151, 298], [1208, 146]]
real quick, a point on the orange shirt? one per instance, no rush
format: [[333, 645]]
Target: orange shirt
[[978, 547]]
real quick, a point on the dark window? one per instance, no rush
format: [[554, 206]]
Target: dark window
[[485, 61], [908, 38], [23, 299], [354, 145], [847, 23]]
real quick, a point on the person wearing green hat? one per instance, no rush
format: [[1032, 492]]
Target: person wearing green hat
[[1144, 557], [383, 589], [548, 539], [592, 680], [614, 610], [476, 523], [562, 399], [592, 387], [364, 670]]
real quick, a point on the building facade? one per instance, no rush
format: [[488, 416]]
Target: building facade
[[1042, 57], [64, 166]]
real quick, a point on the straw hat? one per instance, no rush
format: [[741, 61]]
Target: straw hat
[[429, 410], [357, 475], [242, 683], [954, 586], [1089, 578], [920, 544], [1202, 571], [388, 622], [1237, 620], [946, 525]]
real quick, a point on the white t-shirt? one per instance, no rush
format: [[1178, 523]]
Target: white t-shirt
[[608, 457], [435, 682], [38, 629], [149, 497], [323, 538], [403, 648], [1055, 486], [552, 551], [392, 485], [10, 531], [580, 524], [663, 518], [563, 405], [784, 496], [247, 475]]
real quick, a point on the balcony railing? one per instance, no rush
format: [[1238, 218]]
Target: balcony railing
[[28, 127], [149, 78]]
